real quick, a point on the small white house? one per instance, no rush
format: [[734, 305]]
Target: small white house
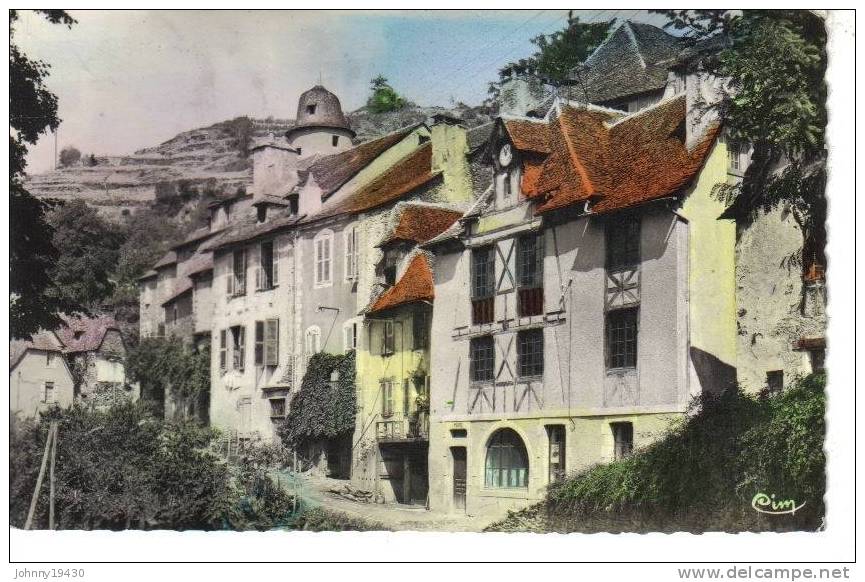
[[39, 376]]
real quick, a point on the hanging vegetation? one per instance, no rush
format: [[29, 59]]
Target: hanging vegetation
[[324, 408]]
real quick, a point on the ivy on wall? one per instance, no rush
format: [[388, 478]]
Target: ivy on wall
[[325, 405]]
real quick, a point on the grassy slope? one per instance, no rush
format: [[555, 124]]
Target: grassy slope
[[704, 474]]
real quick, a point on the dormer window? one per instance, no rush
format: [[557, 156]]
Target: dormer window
[[310, 108], [262, 213], [335, 140]]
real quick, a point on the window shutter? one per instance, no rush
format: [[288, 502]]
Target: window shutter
[[229, 280], [259, 278], [242, 348], [223, 350], [271, 342], [242, 281], [259, 343]]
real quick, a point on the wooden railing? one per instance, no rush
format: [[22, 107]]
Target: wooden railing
[[403, 427]]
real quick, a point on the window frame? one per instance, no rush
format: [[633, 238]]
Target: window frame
[[49, 388], [475, 348], [483, 296], [322, 242], [387, 397], [534, 368], [610, 355], [274, 410], [351, 253], [420, 330], [238, 347], [388, 338], [349, 336], [530, 289], [506, 457], [268, 277], [622, 447]]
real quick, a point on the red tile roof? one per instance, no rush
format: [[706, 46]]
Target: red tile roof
[[618, 163], [533, 136], [419, 223], [331, 172], [415, 285], [84, 334], [409, 173]]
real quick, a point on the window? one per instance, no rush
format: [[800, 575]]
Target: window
[[349, 336], [277, 408], [818, 359], [775, 381], [622, 338], [506, 187], [223, 350], [556, 436], [238, 347], [351, 253], [268, 269], [335, 140], [530, 275], [623, 243], [623, 439], [507, 464], [481, 359], [49, 359], [734, 156], [387, 340], [459, 433], [420, 330], [323, 249], [387, 398], [310, 109], [244, 412], [174, 313], [267, 342], [312, 341], [49, 396], [262, 213], [160, 330], [483, 285], [390, 261], [237, 276], [530, 353]]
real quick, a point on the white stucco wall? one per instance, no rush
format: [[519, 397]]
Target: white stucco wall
[[27, 383]]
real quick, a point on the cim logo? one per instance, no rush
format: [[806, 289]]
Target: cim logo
[[769, 505]]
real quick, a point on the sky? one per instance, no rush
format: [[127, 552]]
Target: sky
[[127, 80]]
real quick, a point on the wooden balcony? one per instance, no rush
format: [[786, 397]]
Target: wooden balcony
[[403, 428]]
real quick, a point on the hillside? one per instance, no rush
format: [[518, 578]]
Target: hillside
[[211, 159]]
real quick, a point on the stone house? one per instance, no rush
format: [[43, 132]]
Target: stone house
[[82, 361], [600, 300], [39, 375]]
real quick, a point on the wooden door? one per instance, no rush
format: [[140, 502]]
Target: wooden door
[[459, 457]]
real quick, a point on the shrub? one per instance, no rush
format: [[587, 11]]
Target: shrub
[[70, 155], [704, 474]]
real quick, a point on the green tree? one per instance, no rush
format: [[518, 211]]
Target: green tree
[[166, 367], [384, 98], [776, 62], [32, 112], [88, 247], [69, 156], [560, 52]]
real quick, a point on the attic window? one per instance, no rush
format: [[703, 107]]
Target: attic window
[[262, 213], [311, 109], [335, 140], [78, 334]]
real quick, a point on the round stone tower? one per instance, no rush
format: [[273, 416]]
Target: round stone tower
[[321, 126]]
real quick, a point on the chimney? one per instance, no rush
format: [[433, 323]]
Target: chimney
[[274, 168], [449, 151], [520, 94], [702, 93]]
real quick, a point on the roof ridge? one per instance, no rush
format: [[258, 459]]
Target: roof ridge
[[633, 38], [584, 176]]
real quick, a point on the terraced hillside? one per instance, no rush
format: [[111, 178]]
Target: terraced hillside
[[212, 159]]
